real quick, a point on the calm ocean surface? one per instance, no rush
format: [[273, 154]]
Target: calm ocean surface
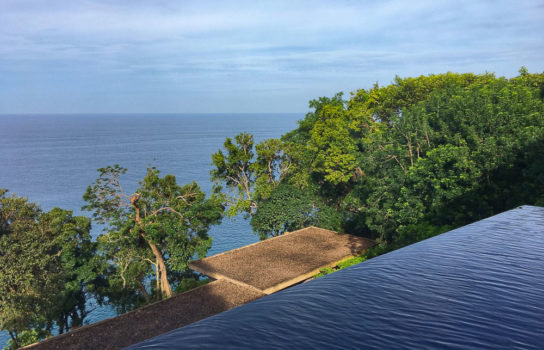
[[51, 159]]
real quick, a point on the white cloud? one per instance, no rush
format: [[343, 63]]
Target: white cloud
[[216, 46]]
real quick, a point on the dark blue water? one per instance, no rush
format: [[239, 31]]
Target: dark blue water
[[478, 287], [52, 159]]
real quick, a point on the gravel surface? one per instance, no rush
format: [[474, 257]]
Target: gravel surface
[[152, 320], [276, 261], [242, 274]]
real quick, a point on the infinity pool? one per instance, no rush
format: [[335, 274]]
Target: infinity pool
[[479, 286]]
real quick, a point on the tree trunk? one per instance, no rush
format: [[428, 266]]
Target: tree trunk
[[157, 279], [61, 325], [142, 289], [165, 287], [13, 336], [77, 321]]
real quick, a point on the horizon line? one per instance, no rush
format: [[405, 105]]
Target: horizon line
[[139, 113]]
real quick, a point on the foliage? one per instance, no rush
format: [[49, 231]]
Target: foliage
[[287, 209], [325, 271], [151, 235], [274, 161], [439, 151], [47, 270], [30, 272], [191, 283], [234, 169], [77, 258], [248, 177], [302, 134], [422, 153], [246, 174], [443, 150], [342, 265], [290, 208], [27, 337]]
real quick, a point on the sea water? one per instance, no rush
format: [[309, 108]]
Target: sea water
[[51, 159]]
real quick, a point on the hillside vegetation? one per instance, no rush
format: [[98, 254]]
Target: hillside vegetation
[[397, 163]]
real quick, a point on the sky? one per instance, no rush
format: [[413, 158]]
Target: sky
[[136, 56]]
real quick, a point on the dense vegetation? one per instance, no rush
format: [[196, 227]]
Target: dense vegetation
[[397, 163], [48, 269], [50, 266], [150, 235]]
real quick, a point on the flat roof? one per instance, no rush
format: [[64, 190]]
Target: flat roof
[[479, 286], [152, 320], [283, 261]]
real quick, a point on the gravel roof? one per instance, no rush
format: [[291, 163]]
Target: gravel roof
[[155, 319], [242, 274], [282, 261]]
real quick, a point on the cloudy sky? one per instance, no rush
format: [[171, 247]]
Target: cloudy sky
[[246, 56]]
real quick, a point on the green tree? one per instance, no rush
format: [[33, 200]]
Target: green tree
[[235, 171], [27, 337], [425, 153], [276, 160], [29, 271], [151, 234], [302, 134], [46, 269], [290, 208], [435, 182], [77, 257], [251, 173]]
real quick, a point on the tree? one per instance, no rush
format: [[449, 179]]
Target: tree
[[235, 170], [424, 153], [29, 272], [77, 257], [249, 174], [435, 183], [275, 161], [151, 235], [290, 208], [44, 269], [334, 140], [301, 135], [26, 337]]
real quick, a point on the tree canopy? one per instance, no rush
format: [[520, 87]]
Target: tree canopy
[[47, 269], [444, 149], [151, 235], [424, 153]]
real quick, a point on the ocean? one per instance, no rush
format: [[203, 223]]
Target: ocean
[[51, 159]]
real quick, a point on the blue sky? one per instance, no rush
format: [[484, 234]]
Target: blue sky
[[246, 56]]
